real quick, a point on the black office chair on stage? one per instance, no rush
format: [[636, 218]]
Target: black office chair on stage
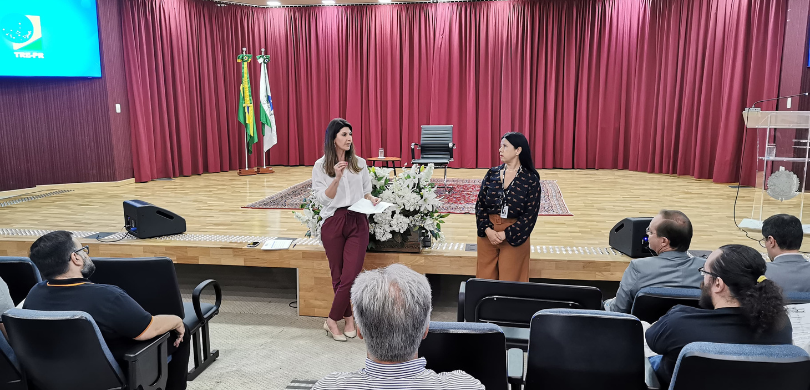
[[20, 274], [10, 374], [152, 282], [435, 147], [475, 348], [710, 366], [512, 304], [585, 349], [65, 350], [651, 303]]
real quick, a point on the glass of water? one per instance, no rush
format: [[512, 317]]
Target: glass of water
[[382, 153]]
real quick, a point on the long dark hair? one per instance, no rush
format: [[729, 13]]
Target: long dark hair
[[762, 302], [330, 151], [519, 140]]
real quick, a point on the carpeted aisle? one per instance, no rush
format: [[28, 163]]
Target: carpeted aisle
[[263, 343]]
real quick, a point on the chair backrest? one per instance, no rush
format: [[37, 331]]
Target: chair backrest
[[435, 141], [150, 281], [514, 303], [477, 349], [741, 367], [585, 349], [62, 350], [795, 297], [10, 376], [20, 274], [651, 303]]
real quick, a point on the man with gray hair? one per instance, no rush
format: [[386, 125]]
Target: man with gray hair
[[392, 311]]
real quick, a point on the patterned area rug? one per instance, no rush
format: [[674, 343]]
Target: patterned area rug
[[460, 201]]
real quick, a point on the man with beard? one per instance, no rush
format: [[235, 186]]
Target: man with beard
[[738, 303], [66, 267], [669, 236]]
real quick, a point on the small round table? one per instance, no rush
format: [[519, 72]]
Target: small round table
[[385, 161]]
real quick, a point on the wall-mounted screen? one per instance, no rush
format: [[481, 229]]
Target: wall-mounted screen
[[55, 38]]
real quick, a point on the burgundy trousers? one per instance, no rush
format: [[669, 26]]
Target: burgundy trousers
[[345, 238]]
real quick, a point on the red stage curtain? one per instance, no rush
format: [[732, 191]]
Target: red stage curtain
[[627, 84]]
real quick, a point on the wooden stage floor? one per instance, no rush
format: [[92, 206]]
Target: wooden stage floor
[[566, 247]]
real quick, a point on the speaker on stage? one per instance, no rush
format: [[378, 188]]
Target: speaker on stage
[[629, 236], [145, 220]]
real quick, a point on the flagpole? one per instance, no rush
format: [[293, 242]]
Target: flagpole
[[244, 59], [264, 86]]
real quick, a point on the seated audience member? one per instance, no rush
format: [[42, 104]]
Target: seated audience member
[[670, 234], [782, 237], [738, 303], [66, 266], [392, 311], [5, 303]]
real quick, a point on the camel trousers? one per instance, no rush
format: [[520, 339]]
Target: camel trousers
[[502, 261]]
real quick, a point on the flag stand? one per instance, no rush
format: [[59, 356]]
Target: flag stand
[[244, 58], [264, 168]]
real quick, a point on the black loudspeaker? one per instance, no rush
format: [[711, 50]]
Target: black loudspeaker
[[629, 236], [145, 220]]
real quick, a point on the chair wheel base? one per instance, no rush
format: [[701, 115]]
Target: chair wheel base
[[196, 371]]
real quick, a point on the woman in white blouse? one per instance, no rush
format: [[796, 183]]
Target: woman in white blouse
[[339, 179]]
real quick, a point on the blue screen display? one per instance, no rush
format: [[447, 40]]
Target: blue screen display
[[57, 38]]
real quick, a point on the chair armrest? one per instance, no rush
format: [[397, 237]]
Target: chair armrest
[[452, 146], [147, 363], [414, 146], [514, 368], [460, 314], [195, 299]]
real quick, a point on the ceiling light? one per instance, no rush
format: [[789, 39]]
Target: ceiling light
[[328, 2], [274, 3]]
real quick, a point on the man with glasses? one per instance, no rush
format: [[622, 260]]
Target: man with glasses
[[738, 305], [782, 238], [66, 267], [669, 236]]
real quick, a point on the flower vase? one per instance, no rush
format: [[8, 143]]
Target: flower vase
[[407, 242]]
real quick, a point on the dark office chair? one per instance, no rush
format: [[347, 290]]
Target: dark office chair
[[435, 147], [152, 282], [710, 366], [20, 274], [65, 350], [651, 303], [10, 374], [585, 349], [512, 304], [475, 348], [794, 297]]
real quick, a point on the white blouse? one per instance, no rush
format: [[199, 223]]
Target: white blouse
[[352, 187]]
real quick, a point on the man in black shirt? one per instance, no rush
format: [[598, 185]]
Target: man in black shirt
[[66, 266], [738, 303]]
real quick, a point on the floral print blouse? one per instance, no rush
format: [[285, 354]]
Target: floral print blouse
[[522, 196]]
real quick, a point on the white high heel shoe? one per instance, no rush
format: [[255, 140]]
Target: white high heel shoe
[[351, 334], [336, 337]]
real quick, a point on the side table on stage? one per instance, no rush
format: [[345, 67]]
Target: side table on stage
[[385, 161]]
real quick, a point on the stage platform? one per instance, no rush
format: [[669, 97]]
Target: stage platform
[[218, 228]]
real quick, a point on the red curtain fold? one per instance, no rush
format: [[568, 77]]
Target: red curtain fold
[[652, 86]]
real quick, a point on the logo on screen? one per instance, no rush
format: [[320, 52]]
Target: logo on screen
[[24, 32]]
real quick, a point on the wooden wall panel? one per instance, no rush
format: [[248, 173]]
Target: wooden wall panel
[[65, 130]]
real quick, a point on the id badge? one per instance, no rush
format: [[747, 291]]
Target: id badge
[[504, 211]]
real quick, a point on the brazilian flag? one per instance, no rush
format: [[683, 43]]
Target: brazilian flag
[[246, 115]]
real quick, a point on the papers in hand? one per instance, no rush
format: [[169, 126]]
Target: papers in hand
[[364, 206], [279, 243], [800, 321]]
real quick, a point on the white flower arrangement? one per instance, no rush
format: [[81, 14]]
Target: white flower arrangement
[[311, 216], [415, 206]]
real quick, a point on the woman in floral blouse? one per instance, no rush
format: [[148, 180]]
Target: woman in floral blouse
[[506, 212]]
